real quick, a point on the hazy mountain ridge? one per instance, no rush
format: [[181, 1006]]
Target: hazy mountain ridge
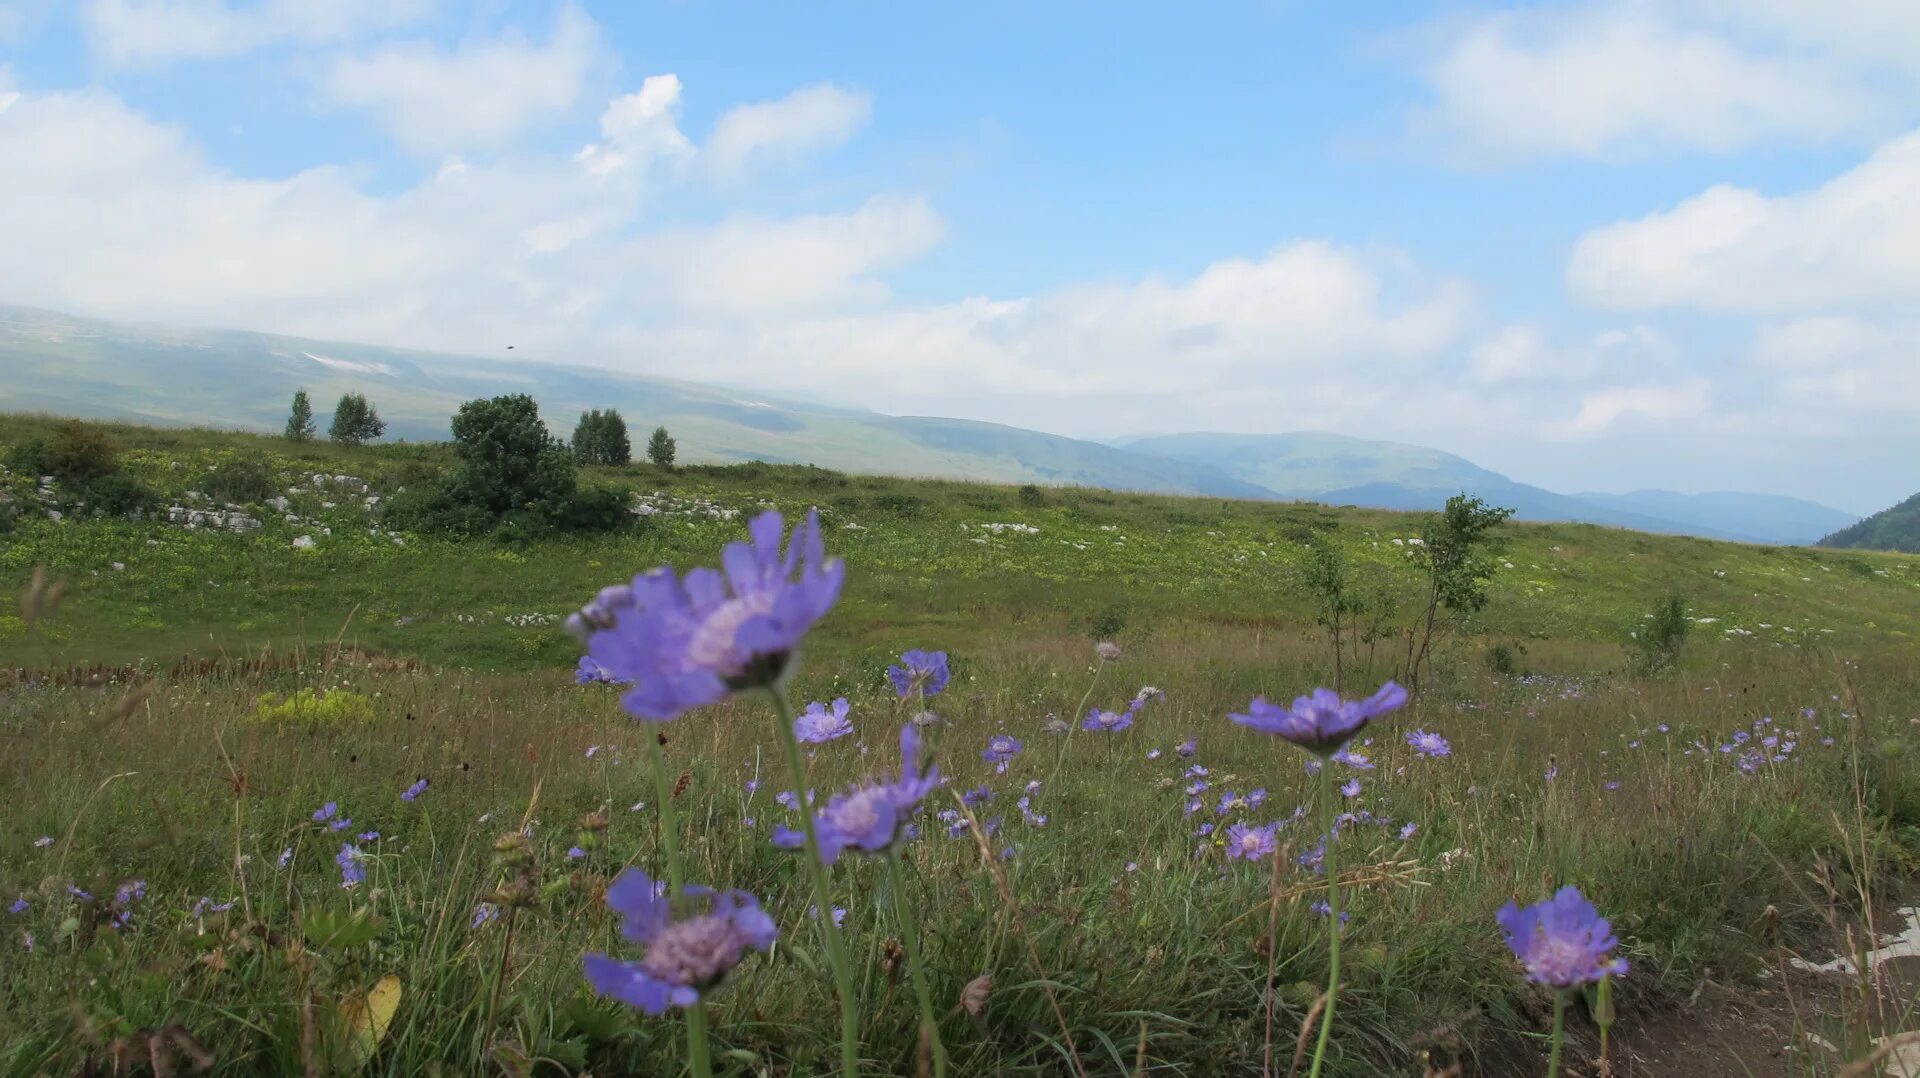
[[156, 374]]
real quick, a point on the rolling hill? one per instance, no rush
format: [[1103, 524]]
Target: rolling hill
[[1894, 528]]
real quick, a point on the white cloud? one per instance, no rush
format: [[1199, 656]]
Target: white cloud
[[1602, 409], [1851, 243], [639, 127], [813, 117], [1623, 77], [478, 95], [141, 32]]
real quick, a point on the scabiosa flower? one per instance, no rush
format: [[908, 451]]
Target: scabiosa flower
[[369, 836], [1563, 941], [1107, 651], [19, 906], [1000, 750], [1351, 789], [43, 842], [869, 818], [325, 812], [1427, 743], [922, 670], [1107, 720], [839, 914], [482, 914], [353, 868], [286, 858], [1186, 749], [575, 853], [1409, 831], [1323, 910], [687, 643], [684, 958], [1322, 722], [1356, 760], [977, 796], [817, 725], [590, 672], [414, 791], [340, 824], [1246, 842]]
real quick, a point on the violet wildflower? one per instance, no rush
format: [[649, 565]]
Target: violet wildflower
[[817, 725], [869, 818], [1000, 750], [19, 906], [977, 796], [1106, 720], [684, 958], [44, 841], [325, 812], [1321, 722], [1351, 789], [369, 836], [925, 671], [482, 914], [685, 643], [575, 853], [839, 914], [590, 672], [76, 892], [1186, 749], [414, 791], [1323, 909], [340, 824], [286, 858], [1107, 651], [353, 868], [1427, 743], [1563, 941], [1248, 843], [1153, 754], [1356, 760], [1409, 831]]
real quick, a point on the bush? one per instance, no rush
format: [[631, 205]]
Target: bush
[[30, 457], [1108, 622], [508, 461], [81, 452], [1501, 659], [432, 508], [1664, 634], [1032, 495], [119, 495], [314, 711], [247, 479]]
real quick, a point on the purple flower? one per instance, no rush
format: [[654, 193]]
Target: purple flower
[[19, 906], [922, 670], [684, 958], [688, 643], [340, 824], [1001, 749], [1562, 941], [483, 913], [286, 858], [869, 818], [369, 836], [1248, 843], [1428, 744], [44, 841], [1186, 749], [1357, 761], [1351, 789], [817, 725], [325, 812], [1409, 831], [1107, 720], [1323, 910], [353, 868], [575, 853], [839, 914], [414, 791], [590, 672], [1322, 722]]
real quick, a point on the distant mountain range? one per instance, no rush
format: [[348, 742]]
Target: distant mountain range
[[88, 367], [1893, 528]]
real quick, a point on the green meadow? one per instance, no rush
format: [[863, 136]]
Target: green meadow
[[177, 713]]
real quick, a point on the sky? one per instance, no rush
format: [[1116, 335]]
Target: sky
[[1601, 245]]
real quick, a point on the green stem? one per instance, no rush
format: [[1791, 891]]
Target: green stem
[[698, 1051], [822, 888], [1559, 1024], [1073, 724], [916, 969], [1329, 814]]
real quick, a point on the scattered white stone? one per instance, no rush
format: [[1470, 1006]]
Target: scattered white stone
[[304, 542]]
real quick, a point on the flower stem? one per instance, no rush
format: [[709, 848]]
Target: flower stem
[[916, 968], [1559, 1025], [1073, 723], [822, 889], [698, 1052], [1329, 815]]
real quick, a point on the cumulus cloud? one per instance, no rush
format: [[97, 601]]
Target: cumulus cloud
[[479, 95], [148, 32], [637, 128], [1625, 77], [1853, 242], [1601, 409], [810, 118]]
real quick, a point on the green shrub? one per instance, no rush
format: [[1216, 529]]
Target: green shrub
[[243, 480], [30, 457], [119, 495], [1663, 634], [1501, 660], [81, 452], [313, 710], [1032, 495]]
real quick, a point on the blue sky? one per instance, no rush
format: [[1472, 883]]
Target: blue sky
[[1597, 245]]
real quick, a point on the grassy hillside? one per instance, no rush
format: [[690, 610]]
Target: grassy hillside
[[1894, 528], [173, 870], [926, 552]]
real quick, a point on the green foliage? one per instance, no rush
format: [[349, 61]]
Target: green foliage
[[119, 495], [355, 422], [314, 710], [1032, 496], [508, 460], [81, 452], [1893, 528], [1501, 660], [29, 456], [300, 426], [660, 449], [241, 480], [601, 438], [1456, 551], [1663, 634]]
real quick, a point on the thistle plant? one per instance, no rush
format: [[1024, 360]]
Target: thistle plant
[[1564, 944], [1322, 724]]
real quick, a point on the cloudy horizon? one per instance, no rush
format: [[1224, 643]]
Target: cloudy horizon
[[1593, 246]]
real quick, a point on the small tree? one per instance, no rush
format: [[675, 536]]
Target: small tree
[[1338, 603], [355, 422], [300, 426], [601, 438], [82, 452], [1456, 552], [660, 448], [1664, 633], [508, 461]]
